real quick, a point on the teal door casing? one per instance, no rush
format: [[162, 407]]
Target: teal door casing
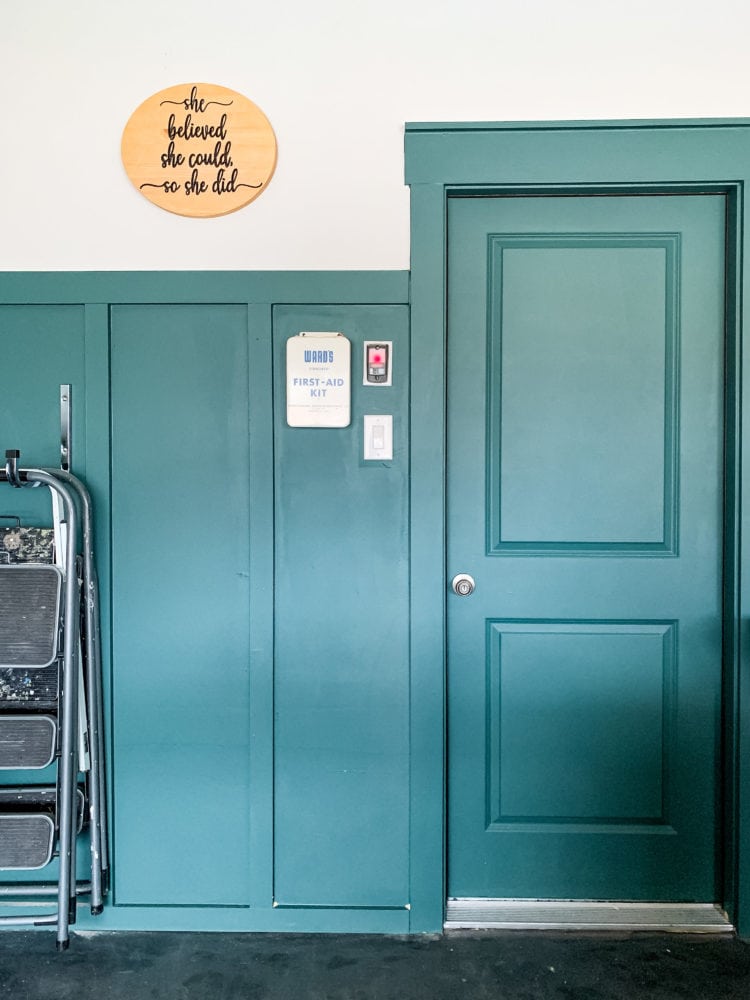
[[585, 482], [449, 167]]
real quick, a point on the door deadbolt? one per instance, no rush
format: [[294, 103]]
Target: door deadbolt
[[463, 584]]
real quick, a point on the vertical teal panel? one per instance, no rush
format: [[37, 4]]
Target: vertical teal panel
[[341, 635], [41, 346], [260, 844], [180, 561]]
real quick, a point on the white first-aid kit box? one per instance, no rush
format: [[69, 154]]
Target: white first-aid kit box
[[318, 380]]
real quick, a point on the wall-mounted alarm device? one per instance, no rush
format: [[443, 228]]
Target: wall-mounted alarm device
[[378, 362]]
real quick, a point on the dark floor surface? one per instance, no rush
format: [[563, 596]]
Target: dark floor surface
[[476, 965]]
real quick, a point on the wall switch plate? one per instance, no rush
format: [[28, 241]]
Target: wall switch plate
[[378, 437]]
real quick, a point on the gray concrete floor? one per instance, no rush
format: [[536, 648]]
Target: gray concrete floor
[[475, 965]]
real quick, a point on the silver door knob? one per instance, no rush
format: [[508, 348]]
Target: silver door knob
[[463, 584]]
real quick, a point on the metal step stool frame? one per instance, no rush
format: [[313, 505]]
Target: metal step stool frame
[[71, 491]]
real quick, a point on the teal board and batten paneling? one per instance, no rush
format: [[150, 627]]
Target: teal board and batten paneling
[[342, 635], [242, 799]]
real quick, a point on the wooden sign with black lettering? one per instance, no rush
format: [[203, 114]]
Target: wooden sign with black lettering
[[199, 149]]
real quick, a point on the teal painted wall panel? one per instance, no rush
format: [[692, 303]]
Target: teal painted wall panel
[[341, 635], [186, 468], [41, 347], [180, 599]]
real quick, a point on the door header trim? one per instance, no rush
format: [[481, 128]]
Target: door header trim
[[507, 153], [579, 125]]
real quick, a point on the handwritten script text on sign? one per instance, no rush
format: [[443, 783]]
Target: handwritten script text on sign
[[199, 149]]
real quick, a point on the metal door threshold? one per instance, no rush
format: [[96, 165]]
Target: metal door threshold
[[572, 915]]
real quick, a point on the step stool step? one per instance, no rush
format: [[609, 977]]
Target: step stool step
[[27, 741], [26, 544], [26, 841], [37, 689], [28, 798], [29, 615], [16, 799]]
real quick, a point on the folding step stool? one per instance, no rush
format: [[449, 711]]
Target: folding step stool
[[40, 630]]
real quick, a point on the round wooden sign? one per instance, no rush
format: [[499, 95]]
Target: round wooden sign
[[199, 149]]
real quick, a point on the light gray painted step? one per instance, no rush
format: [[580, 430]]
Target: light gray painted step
[[27, 741], [30, 597], [26, 841], [572, 915]]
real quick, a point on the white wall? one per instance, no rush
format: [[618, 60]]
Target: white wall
[[338, 79]]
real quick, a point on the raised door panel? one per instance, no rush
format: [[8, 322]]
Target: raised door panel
[[583, 391]]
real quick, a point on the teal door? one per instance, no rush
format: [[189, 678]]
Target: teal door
[[585, 428]]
